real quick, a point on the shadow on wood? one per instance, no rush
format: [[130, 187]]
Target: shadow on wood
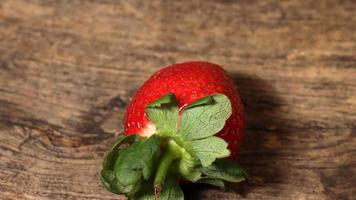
[[264, 120]]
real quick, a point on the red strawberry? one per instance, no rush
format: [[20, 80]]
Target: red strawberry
[[188, 82], [170, 129]]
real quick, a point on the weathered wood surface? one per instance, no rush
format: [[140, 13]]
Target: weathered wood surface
[[68, 69]]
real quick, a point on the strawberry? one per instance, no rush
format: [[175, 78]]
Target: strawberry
[[188, 82], [170, 129]]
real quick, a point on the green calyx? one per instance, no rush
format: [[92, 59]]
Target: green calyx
[[183, 148]]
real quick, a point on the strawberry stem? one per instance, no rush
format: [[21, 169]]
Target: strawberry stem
[[173, 152]]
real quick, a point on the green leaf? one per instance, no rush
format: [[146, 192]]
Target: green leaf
[[208, 149], [109, 181], [199, 122], [204, 117], [192, 145], [164, 114], [145, 192], [192, 175], [107, 174], [225, 170], [213, 181], [188, 167], [122, 139], [136, 162], [111, 156], [110, 159], [171, 191], [106, 183]]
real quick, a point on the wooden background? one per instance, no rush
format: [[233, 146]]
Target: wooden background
[[68, 68]]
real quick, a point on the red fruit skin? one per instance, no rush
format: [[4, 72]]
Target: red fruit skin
[[188, 81]]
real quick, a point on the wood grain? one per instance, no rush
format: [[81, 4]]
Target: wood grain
[[68, 69]]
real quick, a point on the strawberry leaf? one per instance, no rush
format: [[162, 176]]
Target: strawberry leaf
[[108, 180], [204, 117], [111, 156], [209, 149], [136, 161], [121, 140], [188, 167], [199, 122], [225, 170], [164, 114], [107, 174], [213, 181], [171, 191], [184, 146]]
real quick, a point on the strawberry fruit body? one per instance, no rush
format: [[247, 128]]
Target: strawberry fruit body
[[181, 124], [188, 82]]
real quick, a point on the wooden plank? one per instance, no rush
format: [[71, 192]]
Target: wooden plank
[[68, 69]]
